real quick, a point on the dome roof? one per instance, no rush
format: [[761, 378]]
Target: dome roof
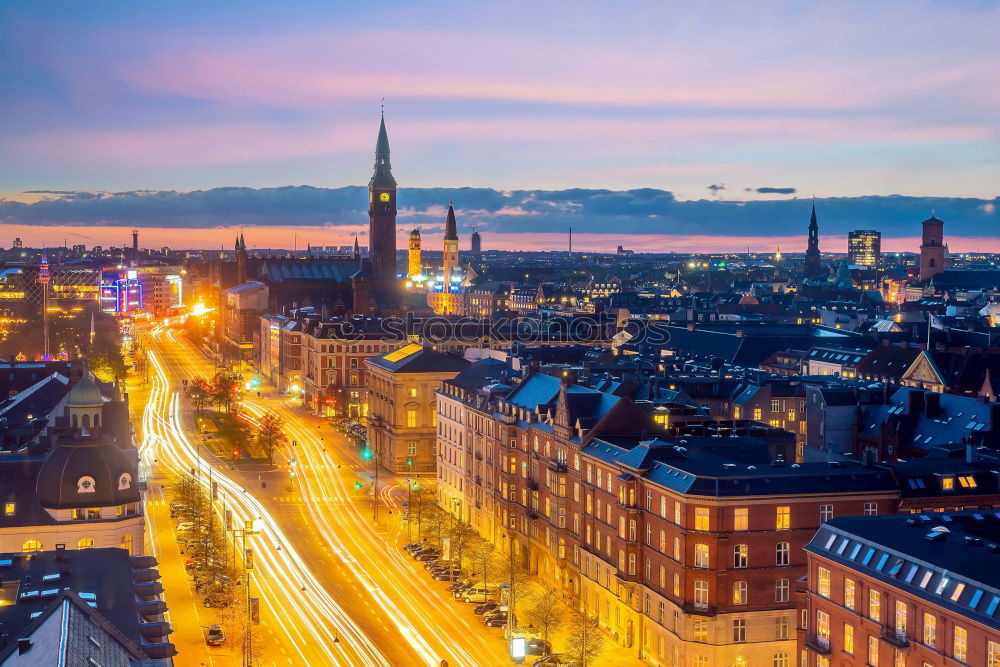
[[85, 393], [89, 472]]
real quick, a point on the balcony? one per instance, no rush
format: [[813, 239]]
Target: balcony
[[895, 636], [558, 466], [532, 514], [818, 644], [531, 484]]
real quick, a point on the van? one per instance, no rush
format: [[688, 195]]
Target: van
[[478, 594]]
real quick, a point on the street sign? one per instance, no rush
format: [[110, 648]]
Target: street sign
[[255, 610]]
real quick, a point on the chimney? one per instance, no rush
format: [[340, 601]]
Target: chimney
[[914, 402], [970, 453], [23, 644], [932, 404]]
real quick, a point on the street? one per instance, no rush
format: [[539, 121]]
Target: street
[[335, 588]]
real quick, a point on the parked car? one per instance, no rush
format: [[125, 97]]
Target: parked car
[[457, 587], [446, 575], [411, 547], [435, 563], [554, 660], [495, 621], [481, 609], [176, 509], [424, 549], [214, 636], [537, 647], [477, 594], [427, 555], [185, 526]]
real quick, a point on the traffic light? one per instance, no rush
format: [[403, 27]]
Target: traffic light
[[255, 382], [366, 453], [357, 485]]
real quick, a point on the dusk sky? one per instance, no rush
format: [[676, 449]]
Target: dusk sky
[[835, 99]]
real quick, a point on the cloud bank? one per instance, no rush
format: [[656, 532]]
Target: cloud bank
[[619, 213]]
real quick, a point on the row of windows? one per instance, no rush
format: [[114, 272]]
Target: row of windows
[[31, 546]]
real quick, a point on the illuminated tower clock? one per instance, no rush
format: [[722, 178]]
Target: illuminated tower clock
[[382, 217]]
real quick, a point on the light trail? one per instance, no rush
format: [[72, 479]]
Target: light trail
[[302, 608]]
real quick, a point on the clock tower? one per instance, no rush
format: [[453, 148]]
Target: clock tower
[[382, 220]]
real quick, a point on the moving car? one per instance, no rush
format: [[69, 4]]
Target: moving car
[[214, 636]]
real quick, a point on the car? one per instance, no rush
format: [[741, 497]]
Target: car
[[217, 599], [481, 609], [411, 547], [495, 621], [214, 636], [458, 586], [185, 526], [537, 647], [176, 509], [446, 575], [554, 660], [420, 550], [435, 563], [427, 555]]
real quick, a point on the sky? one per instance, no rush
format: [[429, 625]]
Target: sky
[[710, 103]]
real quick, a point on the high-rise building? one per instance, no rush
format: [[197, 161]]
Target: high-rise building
[[864, 247], [382, 219], [932, 257], [241, 260], [414, 264], [812, 268], [477, 247], [18, 244]]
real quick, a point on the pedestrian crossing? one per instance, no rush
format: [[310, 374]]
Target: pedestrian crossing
[[318, 499]]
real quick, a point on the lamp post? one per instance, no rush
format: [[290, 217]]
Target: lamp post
[[250, 528], [409, 512]]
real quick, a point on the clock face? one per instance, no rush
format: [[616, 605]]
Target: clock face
[[384, 196]]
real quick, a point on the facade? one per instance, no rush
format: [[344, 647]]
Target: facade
[[334, 373], [242, 307], [905, 590], [281, 351], [82, 492], [685, 546], [402, 419], [932, 249], [864, 247]]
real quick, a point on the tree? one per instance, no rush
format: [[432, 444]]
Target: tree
[[421, 497], [461, 535], [224, 391], [585, 640], [516, 577], [200, 393], [435, 520], [270, 435], [483, 561], [545, 611]]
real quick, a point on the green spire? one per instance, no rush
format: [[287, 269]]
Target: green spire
[[383, 169]]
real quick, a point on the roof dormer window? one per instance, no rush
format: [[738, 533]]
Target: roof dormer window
[[947, 483]]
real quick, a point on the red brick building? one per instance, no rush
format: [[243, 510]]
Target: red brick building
[[903, 591]]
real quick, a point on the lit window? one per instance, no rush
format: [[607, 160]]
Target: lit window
[[739, 630], [930, 630], [8, 509], [783, 519], [848, 638], [739, 592], [741, 519], [781, 627], [874, 605], [701, 555], [740, 552], [701, 518], [85, 543], [411, 418], [872, 650], [824, 582], [948, 483], [701, 630], [757, 414], [701, 593], [849, 593], [412, 392], [960, 645], [823, 627], [871, 509], [967, 481], [825, 513], [992, 654]]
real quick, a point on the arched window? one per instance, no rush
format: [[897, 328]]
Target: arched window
[[86, 421], [701, 555], [931, 263], [74, 422], [126, 543], [97, 421], [677, 548], [85, 543], [31, 545]]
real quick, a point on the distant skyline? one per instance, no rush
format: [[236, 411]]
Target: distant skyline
[[726, 102]]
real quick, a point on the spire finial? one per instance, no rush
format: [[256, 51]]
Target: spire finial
[[382, 107]]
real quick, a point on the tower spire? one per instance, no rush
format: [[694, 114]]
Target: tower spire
[[451, 227]]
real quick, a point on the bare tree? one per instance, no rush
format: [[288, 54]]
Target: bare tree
[[585, 640], [270, 434], [200, 394], [435, 522], [545, 611], [421, 497]]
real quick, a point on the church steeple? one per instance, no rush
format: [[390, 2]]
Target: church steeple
[[812, 267], [382, 223], [450, 226]]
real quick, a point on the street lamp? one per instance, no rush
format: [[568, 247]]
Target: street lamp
[[409, 513], [250, 528]]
